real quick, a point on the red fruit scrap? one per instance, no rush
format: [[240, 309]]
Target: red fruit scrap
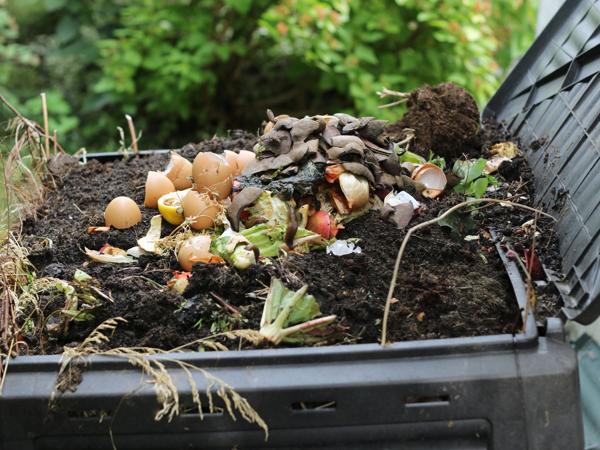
[[323, 223]]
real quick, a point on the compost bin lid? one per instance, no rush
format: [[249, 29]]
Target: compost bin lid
[[551, 102]]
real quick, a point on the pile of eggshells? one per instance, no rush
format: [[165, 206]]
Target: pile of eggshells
[[198, 191]]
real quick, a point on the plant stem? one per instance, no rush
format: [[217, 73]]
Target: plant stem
[[386, 311], [306, 326], [134, 144], [226, 305], [46, 130], [28, 123], [385, 92]]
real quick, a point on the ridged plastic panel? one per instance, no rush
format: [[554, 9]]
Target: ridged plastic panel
[[551, 101]]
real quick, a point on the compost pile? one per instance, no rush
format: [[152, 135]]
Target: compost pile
[[292, 234]]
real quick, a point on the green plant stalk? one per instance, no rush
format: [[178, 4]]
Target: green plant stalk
[[275, 292], [274, 331], [305, 327]]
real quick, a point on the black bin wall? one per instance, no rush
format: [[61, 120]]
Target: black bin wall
[[551, 101]]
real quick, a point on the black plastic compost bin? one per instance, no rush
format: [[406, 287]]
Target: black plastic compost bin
[[491, 392]]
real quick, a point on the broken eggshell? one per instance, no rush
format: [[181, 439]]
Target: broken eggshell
[[232, 159], [212, 174], [109, 254], [239, 161], [202, 209], [355, 188], [245, 158], [342, 248], [194, 250], [179, 171], [122, 213], [432, 177], [394, 199], [157, 185]]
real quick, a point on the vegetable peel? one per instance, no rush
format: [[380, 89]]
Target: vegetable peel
[[291, 317]]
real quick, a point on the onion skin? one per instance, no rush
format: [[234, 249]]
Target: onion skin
[[355, 189]]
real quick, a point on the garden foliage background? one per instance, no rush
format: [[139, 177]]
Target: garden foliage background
[[186, 69]]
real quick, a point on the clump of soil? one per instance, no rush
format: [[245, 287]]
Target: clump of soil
[[446, 121], [447, 287]]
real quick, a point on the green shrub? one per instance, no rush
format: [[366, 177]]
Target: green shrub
[[186, 69]]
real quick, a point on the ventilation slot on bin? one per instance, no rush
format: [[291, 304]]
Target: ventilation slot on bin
[[307, 406]]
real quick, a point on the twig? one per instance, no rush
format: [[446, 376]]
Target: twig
[[46, 129], [390, 295], [55, 150], [226, 305], [134, 144], [385, 92], [4, 366], [531, 297], [390, 105]]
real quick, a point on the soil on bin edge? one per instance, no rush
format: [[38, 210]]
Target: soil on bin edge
[[447, 287]]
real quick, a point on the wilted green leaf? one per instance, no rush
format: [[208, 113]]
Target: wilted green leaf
[[459, 222]]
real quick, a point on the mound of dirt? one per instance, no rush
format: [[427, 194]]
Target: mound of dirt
[[445, 118]]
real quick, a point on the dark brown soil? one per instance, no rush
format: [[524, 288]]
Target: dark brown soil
[[447, 287], [445, 118]]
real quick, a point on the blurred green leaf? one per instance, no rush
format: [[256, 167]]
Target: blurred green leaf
[[190, 68]]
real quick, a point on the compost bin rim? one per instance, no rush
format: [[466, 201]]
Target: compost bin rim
[[295, 355]]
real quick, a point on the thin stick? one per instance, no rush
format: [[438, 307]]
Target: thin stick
[[46, 129], [134, 144], [390, 105], [385, 92], [390, 295], [531, 297], [226, 305], [55, 149]]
